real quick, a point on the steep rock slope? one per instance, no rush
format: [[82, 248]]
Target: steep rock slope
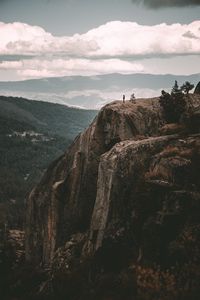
[[63, 202], [197, 88], [141, 182], [112, 182]]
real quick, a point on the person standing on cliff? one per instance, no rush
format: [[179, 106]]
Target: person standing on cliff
[[124, 98]]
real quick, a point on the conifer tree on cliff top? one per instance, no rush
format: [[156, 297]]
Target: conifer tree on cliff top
[[175, 88], [186, 87]]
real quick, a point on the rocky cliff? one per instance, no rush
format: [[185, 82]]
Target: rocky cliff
[[197, 89], [124, 192], [63, 202]]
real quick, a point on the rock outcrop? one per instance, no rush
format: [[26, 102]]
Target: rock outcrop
[[197, 89], [124, 192], [63, 202]]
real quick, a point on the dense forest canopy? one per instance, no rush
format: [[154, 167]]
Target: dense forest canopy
[[32, 134]]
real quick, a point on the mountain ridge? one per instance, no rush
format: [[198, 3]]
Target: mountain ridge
[[32, 134], [93, 91]]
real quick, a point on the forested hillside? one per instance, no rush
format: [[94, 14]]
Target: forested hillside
[[32, 134]]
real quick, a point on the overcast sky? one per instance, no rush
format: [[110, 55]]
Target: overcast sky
[[43, 38]]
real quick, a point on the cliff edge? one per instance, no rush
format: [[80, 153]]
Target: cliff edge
[[125, 192], [63, 202]]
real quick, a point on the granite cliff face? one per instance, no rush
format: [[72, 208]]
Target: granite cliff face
[[125, 192], [63, 202]]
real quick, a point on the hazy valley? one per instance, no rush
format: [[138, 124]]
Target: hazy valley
[[92, 92]]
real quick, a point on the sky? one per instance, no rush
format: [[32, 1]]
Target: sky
[[50, 38]]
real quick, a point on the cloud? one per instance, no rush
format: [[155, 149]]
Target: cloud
[[167, 3], [115, 47], [190, 35], [6, 65], [37, 68], [113, 39], [131, 39], [23, 39]]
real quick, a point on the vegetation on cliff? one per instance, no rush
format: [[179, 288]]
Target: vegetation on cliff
[[32, 134], [122, 206], [117, 216]]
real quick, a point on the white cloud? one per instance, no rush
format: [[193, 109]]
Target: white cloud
[[36, 68], [112, 39], [101, 50], [24, 39], [129, 39], [10, 65]]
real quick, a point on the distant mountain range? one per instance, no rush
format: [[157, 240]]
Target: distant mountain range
[[33, 134], [94, 91]]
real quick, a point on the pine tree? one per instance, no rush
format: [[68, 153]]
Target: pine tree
[[175, 88], [186, 87]]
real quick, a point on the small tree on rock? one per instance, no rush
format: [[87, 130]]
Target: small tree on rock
[[175, 89], [173, 105], [186, 87], [132, 97]]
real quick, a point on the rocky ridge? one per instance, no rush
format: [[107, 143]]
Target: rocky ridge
[[124, 193], [63, 202]]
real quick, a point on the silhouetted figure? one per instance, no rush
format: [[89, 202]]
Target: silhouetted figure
[[123, 98]]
